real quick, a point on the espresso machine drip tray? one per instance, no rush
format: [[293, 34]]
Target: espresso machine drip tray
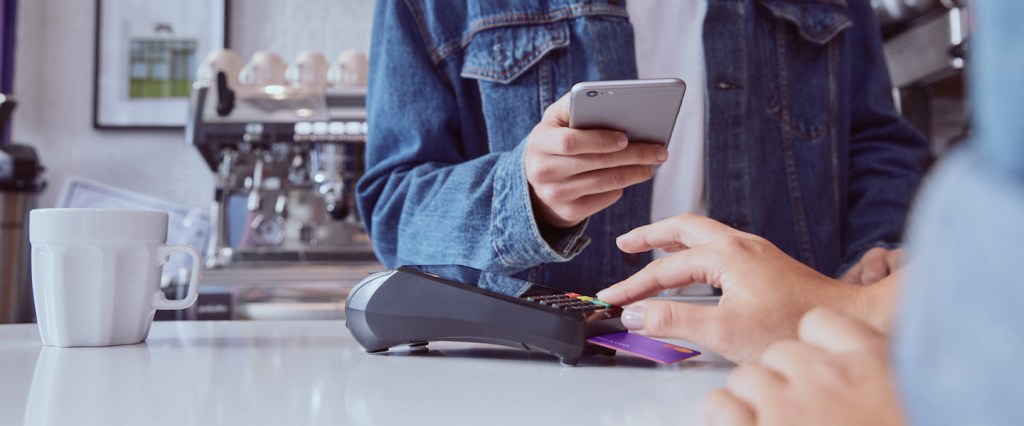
[[240, 257], [279, 290]]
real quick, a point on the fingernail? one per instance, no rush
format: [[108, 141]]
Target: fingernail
[[601, 294], [633, 316], [623, 238], [662, 154], [622, 141]]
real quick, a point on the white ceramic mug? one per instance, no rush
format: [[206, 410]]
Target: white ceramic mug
[[309, 69], [351, 69], [96, 274], [264, 69]]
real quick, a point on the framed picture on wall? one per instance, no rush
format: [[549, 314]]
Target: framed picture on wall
[[147, 53]]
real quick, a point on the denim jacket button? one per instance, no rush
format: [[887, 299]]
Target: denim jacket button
[[632, 259], [725, 85]]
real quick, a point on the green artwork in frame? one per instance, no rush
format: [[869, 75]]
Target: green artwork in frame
[[147, 53]]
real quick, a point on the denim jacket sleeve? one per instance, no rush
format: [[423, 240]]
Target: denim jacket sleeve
[[886, 156], [430, 195]]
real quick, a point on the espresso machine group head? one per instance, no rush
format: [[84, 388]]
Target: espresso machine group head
[[286, 160]]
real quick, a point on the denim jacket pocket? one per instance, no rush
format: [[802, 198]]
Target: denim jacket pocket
[[516, 68], [502, 54], [817, 21], [801, 64]]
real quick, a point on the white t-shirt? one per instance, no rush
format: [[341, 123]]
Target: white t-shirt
[[670, 43]]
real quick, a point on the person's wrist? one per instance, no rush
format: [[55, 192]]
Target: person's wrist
[[545, 216], [845, 297], [561, 239], [879, 302], [871, 303]]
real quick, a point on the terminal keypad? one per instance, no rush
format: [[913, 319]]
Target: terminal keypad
[[569, 302]]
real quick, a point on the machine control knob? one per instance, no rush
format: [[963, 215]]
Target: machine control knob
[[268, 230], [303, 128]]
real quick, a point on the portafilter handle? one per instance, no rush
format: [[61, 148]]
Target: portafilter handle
[[225, 96], [328, 163], [332, 190], [338, 210]]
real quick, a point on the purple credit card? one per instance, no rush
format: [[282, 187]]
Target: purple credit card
[[644, 347]]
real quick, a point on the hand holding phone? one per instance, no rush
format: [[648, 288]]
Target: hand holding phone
[[574, 173], [645, 110]]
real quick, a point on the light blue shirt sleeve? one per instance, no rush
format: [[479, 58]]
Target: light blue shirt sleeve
[[959, 337], [959, 334]]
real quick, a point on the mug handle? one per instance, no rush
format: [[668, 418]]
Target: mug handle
[[159, 300]]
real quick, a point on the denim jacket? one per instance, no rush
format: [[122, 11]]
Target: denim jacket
[[804, 146]]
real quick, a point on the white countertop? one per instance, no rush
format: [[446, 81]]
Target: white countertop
[[313, 372]]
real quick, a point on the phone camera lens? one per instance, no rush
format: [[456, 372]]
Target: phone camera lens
[[592, 93]]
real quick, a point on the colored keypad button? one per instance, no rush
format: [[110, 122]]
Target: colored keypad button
[[600, 303], [585, 298]]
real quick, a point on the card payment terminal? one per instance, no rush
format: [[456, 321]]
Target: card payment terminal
[[416, 305]]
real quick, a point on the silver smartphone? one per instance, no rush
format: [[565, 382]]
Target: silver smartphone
[[645, 110]]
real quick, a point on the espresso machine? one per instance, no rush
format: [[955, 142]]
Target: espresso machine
[[286, 159], [293, 155]]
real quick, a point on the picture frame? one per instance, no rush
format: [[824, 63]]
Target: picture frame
[[146, 56]]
